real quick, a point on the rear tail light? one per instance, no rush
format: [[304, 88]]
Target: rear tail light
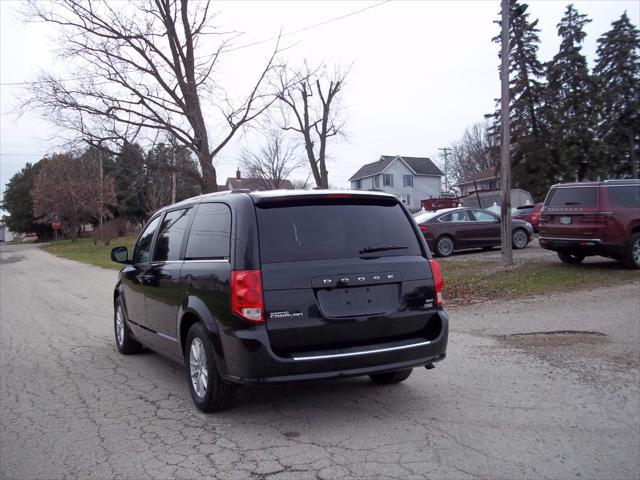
[[438, 281], [597, 217], [246, 295], [423, 228]]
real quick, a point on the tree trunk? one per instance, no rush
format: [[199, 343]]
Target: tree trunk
[[632, 153], [209, 178]]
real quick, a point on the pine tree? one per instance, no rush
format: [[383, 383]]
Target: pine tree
[[568, 111], [529, 159], [617, 75]]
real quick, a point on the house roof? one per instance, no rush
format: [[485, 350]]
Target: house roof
[[255, 184], [420, 166], [486, 174]]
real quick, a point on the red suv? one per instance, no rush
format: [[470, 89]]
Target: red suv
[[593, 218]]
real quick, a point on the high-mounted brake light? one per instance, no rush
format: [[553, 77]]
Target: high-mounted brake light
[[246, 295], [338, 195], [438, 281]]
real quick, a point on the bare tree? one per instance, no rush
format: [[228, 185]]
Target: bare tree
[[143, 67], [474, 152], [68, 185], [310, 100], [274, 162]]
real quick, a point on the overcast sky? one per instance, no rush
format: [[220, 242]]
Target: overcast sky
[[422, 71]]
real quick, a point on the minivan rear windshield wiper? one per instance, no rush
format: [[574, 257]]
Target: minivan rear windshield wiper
[[382, 248]]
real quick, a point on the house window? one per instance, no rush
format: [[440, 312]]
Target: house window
[[404, 198], [387, 180], [357, 184], [407, 180], [376, 181]]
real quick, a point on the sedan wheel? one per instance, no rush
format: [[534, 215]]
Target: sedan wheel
[[444, 246], [520, 239]]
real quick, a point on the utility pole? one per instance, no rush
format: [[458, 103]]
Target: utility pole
[[445, 154], [505, 167], [101, 196]]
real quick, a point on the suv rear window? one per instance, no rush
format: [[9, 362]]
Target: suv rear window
[[572, 197], [323, 230]]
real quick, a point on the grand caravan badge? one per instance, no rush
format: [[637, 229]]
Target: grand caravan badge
[[285, 314]]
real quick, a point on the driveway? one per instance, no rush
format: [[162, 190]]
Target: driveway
[[502, 405]]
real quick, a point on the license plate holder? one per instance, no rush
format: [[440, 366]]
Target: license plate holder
[[565, 220]]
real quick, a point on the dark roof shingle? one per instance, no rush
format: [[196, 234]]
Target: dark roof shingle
[[486, 174], [420, 165]]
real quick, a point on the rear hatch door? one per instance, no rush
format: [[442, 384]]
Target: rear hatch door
[[342, 272], [572, 212]]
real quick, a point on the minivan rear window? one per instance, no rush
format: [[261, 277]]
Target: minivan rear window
[[323, 230], [572, 197]]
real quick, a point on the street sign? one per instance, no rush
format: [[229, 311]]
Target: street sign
[[55, 225]]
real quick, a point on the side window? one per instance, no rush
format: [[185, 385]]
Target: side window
[[627, 196], [170, 236], [481, 216], [446, 218], [142, 250], [210, 234]]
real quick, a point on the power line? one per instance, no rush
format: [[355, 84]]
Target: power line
[[252, 44]]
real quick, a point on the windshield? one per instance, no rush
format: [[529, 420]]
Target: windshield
[[322, 231]]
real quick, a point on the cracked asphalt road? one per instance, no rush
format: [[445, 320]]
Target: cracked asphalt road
[[72, 407]]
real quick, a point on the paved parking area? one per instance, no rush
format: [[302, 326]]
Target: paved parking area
[[502, 405]]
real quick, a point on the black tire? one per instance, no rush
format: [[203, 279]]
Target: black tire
[[519, 238], [217, 394], [631, 257], [391, 378], [125, 343], [444, 246], [571, 258]]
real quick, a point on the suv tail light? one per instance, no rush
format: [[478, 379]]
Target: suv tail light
[[246, 295], [596, 217], [438, 281]]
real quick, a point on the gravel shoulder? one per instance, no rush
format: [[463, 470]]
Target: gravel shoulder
[[71, 406]]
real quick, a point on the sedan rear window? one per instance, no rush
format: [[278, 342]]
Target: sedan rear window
[[320, 230], [572, 197]]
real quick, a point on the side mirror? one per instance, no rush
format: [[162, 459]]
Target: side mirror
[[120, 255]]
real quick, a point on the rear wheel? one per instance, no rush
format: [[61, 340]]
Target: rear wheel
[[390, 378], [632, 256], [571, 258], [209, 392], [125, 342], [444, 246], [519, 239]]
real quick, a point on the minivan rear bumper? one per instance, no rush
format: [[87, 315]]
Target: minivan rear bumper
[[248, 358]]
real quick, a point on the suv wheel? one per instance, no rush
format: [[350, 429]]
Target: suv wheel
[[519, 239], [125, 342], [209, 392], [444, 246], [571, 258], [390, 378], [632, 256]]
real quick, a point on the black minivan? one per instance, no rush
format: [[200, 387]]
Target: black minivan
[[281, 286]]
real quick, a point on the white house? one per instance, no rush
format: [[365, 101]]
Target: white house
[[411, 179]]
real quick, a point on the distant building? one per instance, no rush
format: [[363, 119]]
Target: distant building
[[411, 179], [484, 180], [253, 184]]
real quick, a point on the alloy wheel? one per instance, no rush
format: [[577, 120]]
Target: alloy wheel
[[119, 325], [198, 368], [445, 246], [520, 239]]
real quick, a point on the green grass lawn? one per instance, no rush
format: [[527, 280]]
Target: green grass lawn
[[473, 281], [84, 250]]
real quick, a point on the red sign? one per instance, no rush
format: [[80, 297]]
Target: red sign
[[55, 225]]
